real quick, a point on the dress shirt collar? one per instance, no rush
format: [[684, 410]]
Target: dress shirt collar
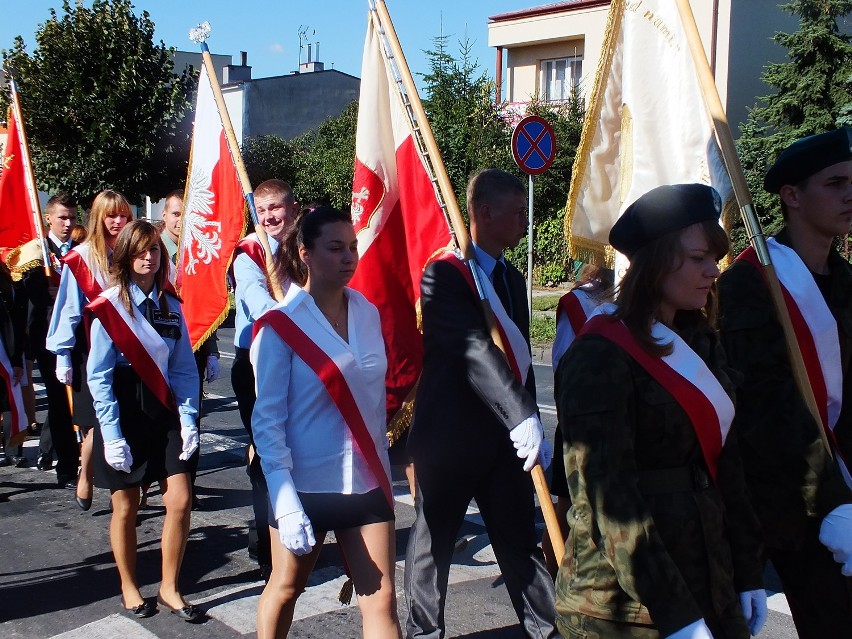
[[57, 242], [485, 261], [139, 297]]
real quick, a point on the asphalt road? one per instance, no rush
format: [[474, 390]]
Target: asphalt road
[[58, 579]]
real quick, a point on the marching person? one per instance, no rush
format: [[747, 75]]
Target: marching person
[[475, 416], [13, 318], [276, 211], [143, 378], [319, 427], [663, 540], [592, 289], [57, 435], [207, 354], [85, 275], [799, 492]]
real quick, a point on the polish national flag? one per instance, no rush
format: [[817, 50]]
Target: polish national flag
[[398, 220], [17, 226], [213, 220], [17, 219]]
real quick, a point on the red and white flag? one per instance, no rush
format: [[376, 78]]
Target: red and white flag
[[213, 220], [397, 218], [17, 218]]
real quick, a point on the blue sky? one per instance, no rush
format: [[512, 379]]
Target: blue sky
[[269, 29]]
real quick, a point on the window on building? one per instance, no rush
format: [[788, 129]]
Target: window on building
[[560, 77]]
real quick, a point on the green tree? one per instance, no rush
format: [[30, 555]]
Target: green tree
[[813, 95], [324, 160], [473, 133], [267, 157], [459, 102], [102, 105]]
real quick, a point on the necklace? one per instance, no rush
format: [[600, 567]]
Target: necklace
[[337, 320]]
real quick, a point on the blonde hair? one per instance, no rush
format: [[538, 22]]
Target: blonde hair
[[105, 203]]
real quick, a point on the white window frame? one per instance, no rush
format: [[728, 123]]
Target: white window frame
[[555, 85]]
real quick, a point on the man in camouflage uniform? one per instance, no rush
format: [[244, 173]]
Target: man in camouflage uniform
[[798, 489]]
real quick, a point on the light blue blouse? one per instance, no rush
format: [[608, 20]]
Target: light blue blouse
[[104, 357]]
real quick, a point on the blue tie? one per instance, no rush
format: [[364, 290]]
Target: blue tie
[[64, 248]]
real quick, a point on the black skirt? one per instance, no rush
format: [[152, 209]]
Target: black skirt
[[84, 405], [334, 511], [153, 435]]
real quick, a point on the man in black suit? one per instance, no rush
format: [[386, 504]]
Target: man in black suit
[[473, 421], [58, 434]]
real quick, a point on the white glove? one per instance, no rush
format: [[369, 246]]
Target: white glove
[[545, 455], [527, 437], [835, 533], [63, 374], [754, 609], [695, 630], [117, 454], [189, 437], [211, 373], [294, 527]]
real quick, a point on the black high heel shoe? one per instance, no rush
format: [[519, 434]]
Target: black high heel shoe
[[189, 613], [84, 504]]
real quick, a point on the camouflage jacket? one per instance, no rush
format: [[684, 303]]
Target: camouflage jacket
[[665, 555], [789, 473]]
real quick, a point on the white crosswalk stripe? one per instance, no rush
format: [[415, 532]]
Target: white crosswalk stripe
[[109, 627]]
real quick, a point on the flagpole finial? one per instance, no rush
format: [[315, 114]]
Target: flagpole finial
[[200, 33]]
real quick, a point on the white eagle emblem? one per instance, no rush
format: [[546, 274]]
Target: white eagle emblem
[[201, 240], [358, 200]]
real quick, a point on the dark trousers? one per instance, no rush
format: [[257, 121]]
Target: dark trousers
[[57, 435], [504, 495], [242, 380], [820, 597]]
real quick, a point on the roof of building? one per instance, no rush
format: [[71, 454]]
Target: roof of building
[[555, 7]]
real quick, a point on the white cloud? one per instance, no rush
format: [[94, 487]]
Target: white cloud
[[276, 48]]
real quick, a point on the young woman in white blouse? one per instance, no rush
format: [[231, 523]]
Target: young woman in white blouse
[[319, 427]]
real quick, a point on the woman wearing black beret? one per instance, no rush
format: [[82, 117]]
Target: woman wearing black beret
[[663, 540]]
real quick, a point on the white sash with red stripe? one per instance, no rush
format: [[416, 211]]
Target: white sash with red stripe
[[827, 377], [684, 375], [514, 339], [338, 370], [573, 310], [138, 341], [16, 402], [89, 277], [517, 349]]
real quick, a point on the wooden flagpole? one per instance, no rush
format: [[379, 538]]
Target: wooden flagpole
[[432, 157], [732, 162], [29, 175], [199, 35]]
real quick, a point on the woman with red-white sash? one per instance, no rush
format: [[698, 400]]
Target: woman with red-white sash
[[319, 427], [85, 274], [144, 381], [663, 541], [592, 289]]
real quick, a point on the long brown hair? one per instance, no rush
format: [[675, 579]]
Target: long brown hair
[[640, 292], [135, 238], [304, 232], [105, 202]]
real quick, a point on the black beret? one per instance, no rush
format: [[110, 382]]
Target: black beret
[[667, 208], [807, 156]]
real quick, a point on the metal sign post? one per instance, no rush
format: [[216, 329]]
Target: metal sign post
[[534, 149]]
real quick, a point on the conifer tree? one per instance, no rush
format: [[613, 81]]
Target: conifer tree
[[813, 94]]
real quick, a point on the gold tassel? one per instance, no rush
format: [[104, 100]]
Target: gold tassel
[[345, 596]]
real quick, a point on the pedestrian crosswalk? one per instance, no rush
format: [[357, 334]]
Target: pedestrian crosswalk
[[232, 604]]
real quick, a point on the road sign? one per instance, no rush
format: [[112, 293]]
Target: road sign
[[533, 145]]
